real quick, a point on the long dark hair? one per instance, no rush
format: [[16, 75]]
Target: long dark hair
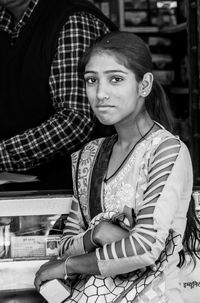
[[131, 51], [191, 238]]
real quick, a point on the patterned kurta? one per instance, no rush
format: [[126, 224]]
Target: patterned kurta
[[156, 181]]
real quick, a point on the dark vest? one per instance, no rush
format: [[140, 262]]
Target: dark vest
[[25, 67]]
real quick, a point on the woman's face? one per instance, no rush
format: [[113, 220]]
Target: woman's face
[[112, 90]]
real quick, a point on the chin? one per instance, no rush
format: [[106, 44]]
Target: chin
[[105, 122]]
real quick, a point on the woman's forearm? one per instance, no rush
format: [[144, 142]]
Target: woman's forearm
[[105, 232], [83, 264]]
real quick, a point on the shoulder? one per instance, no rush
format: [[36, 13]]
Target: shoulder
[[165, 142], [83, 159], [82, 24], [163, 138], [87, 19], [88, 150]]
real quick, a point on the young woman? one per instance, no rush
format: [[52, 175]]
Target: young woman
[[132, 190]]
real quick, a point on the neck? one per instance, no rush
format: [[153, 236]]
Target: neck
[[17, 8], [127, 136]]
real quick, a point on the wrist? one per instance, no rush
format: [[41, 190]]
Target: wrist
[[89, 242], [92, 238], [67, 268]]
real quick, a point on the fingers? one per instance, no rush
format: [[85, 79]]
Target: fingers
[[38, 280], [54, 269], [153, 267], [41, 276]]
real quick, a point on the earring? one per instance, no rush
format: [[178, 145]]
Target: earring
[[145, 92]]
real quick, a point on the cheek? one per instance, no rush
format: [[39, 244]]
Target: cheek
[[91, 96]]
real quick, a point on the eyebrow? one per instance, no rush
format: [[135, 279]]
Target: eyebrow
[[107, 72]]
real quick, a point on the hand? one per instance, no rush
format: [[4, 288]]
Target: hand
[[106, 232], [128, 212], [50, 270]]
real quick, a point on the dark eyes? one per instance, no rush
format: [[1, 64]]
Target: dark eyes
[[117, 79], [112, 79], [90, 80]]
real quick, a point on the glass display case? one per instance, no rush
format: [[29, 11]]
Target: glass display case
[[31, 225], [30, 229]]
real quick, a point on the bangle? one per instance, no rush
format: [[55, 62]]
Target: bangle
[[66, 274], [91, 238]]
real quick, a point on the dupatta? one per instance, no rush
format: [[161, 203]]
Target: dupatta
[[91, 166]]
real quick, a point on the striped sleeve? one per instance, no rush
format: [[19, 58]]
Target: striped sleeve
[[72, 238]]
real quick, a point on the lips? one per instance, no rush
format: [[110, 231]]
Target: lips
[[105, 105]]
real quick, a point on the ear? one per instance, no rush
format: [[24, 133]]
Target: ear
[[145, 85]]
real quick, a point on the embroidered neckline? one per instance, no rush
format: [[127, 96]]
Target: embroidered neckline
[[129, 153]]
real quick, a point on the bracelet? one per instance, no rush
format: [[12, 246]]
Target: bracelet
[[91, 238], [66, 274]]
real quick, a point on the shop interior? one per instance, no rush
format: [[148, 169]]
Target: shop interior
[[32, 217]]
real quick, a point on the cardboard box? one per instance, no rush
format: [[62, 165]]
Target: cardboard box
[[55, 291]]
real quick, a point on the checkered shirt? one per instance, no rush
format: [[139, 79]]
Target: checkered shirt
[[73, 121]]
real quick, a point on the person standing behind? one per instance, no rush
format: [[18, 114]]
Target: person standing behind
[[125, 233], [44, 112]]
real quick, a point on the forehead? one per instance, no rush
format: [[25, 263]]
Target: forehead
[[104, 60]]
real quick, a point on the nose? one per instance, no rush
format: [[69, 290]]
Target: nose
[[101, 93]]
